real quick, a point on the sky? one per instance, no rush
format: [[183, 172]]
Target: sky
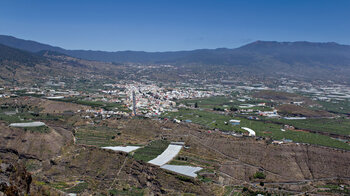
[[171, 25]]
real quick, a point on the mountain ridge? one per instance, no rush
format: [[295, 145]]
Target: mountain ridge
[[303, 60], [190, 56]]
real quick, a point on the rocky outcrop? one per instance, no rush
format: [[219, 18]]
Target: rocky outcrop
[[14, 179]]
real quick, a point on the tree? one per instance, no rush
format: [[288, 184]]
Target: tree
[[233, 109]]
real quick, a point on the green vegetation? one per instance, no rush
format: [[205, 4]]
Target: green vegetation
[[17, 118], [341, 107], [228, 190], [184, 178], [14, 56], [188, 194], [259, 175], [96, 136], [99, 104], [233, 189], [31, 165], [192, 160], [9, 114], [24, 115], [221, 103], [41, 183], [151, 151], [206, 102], [41, 129], [59, 185], [79, 188], [30, 95], [212, 120], [130, 192], [84, 84], [337, 126], [247, 191], [334, 188], [204, 179]]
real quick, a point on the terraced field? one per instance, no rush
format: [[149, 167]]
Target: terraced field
[[96, 136]]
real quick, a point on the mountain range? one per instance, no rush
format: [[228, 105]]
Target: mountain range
[[306, 59], [288, 52]]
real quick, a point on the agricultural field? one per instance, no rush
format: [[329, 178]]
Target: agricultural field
[[26, 117], [339, 107], [223, 102], [230, 190], [212, 120], [41, 129], [282, 97], [340, 126], [96, 104], [97, 136], [69, 187], [134, 191], [9, 115], [187, 158], [151, 151], [207, 102], [334, 189]]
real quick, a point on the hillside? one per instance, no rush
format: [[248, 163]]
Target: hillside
[[292, 52], [228, 160], [8, 54], [27, 45], [19, 66], [283, 52], [302, 60]]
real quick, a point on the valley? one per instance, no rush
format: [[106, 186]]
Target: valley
[[65, 120]]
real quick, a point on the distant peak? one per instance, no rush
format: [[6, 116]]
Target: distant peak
[[260, 43]]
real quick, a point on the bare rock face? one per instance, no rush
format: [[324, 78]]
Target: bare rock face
[[14, 179]]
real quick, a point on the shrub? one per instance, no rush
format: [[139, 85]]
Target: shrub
[[259, 175]]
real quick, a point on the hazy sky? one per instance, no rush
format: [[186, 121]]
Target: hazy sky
[[166, 25]]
